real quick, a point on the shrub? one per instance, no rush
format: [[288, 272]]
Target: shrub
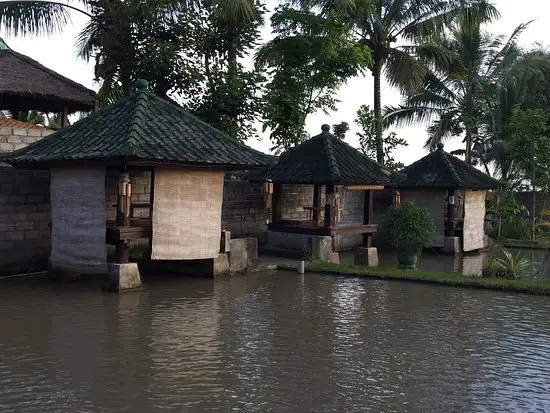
[[407, 227], [509, 266]]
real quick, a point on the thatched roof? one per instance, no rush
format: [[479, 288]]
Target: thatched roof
[[25, 84], [325, 159], [442, 170], [142, 129]]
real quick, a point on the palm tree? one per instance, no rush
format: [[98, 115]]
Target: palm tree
[[454, 95], [381, 24], [110, 29]]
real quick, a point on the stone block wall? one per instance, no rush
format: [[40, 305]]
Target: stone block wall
[[24, 218], [12, 139]]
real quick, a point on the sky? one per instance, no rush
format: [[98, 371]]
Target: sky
[[57, 52]]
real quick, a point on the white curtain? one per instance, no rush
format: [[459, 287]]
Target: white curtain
[[187, 213], [474, 220], [78, 220]]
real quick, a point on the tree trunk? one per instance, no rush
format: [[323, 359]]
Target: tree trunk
[[377, 74], [468, 146]]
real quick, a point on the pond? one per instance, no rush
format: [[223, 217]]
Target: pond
[[271, 343]]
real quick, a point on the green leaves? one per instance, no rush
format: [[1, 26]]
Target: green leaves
[[366, 120], [310, 57], [407, 227], [35, 18]]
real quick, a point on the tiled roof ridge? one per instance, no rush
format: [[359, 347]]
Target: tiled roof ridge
[[135, 129], [451, 167], [331, 158], [51, 72]]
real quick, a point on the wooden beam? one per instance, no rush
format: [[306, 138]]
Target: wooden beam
[[329, 213], [364, 187], [277, 203]]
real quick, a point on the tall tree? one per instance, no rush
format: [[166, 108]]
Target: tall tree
[[311, 56], [453, 95], [190, 50], [382, 24]]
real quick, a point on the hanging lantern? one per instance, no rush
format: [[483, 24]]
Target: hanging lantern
[[268, 191], [396, 200]]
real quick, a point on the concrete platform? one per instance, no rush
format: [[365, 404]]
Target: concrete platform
[[366, 256]]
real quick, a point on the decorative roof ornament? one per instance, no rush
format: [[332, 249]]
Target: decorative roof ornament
[[3, 45]]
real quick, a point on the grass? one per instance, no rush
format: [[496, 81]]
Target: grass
[[536, 287]]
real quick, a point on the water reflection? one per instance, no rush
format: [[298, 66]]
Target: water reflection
[[272, 343], [468, 264]]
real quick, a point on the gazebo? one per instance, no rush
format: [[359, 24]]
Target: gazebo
[[331, 166], [186, 158], [25, 84], [455, 193]]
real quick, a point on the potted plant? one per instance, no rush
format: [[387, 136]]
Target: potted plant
[[408, 228]]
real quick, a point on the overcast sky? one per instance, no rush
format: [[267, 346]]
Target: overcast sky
[[58, 53]]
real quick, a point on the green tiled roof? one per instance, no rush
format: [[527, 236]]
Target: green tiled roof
[[326, 159], [142, 128], [443, 170]]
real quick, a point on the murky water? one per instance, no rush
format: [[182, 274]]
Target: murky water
[[272, 343]]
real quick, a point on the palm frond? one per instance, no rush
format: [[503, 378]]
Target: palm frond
[[33, 17]]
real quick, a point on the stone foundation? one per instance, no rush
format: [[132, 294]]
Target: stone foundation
[[452, 245], [366, 256], [122, 277], [318, 247]]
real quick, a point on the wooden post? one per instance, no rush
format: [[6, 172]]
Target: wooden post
[[277, 203], [64, 117], [151, 206], [450, 213], [123, 215], [368, 215], [96, 105], [316, 204], [329, 213]]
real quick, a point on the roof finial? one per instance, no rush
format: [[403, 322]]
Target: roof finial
[[142, 84], [325, 128], [440, 146], [3, 45]]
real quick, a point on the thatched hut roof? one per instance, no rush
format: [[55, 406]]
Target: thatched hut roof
[[25, 84]]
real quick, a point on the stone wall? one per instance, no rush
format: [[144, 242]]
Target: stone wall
[[12, 139], [25, 211], [24, 218]]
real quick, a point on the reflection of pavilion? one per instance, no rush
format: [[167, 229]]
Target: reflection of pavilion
[[186, 159], [333, 167]]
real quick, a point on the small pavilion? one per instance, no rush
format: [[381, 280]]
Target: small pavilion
[[186, 159], [25, 85], [331, 166], [455, 193]]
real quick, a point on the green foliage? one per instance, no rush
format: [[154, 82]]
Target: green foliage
[[340, 129], [366, 120], [530, 146], [509, 266], [407, 227], [509, 217], [189, 51], [311, 56]]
